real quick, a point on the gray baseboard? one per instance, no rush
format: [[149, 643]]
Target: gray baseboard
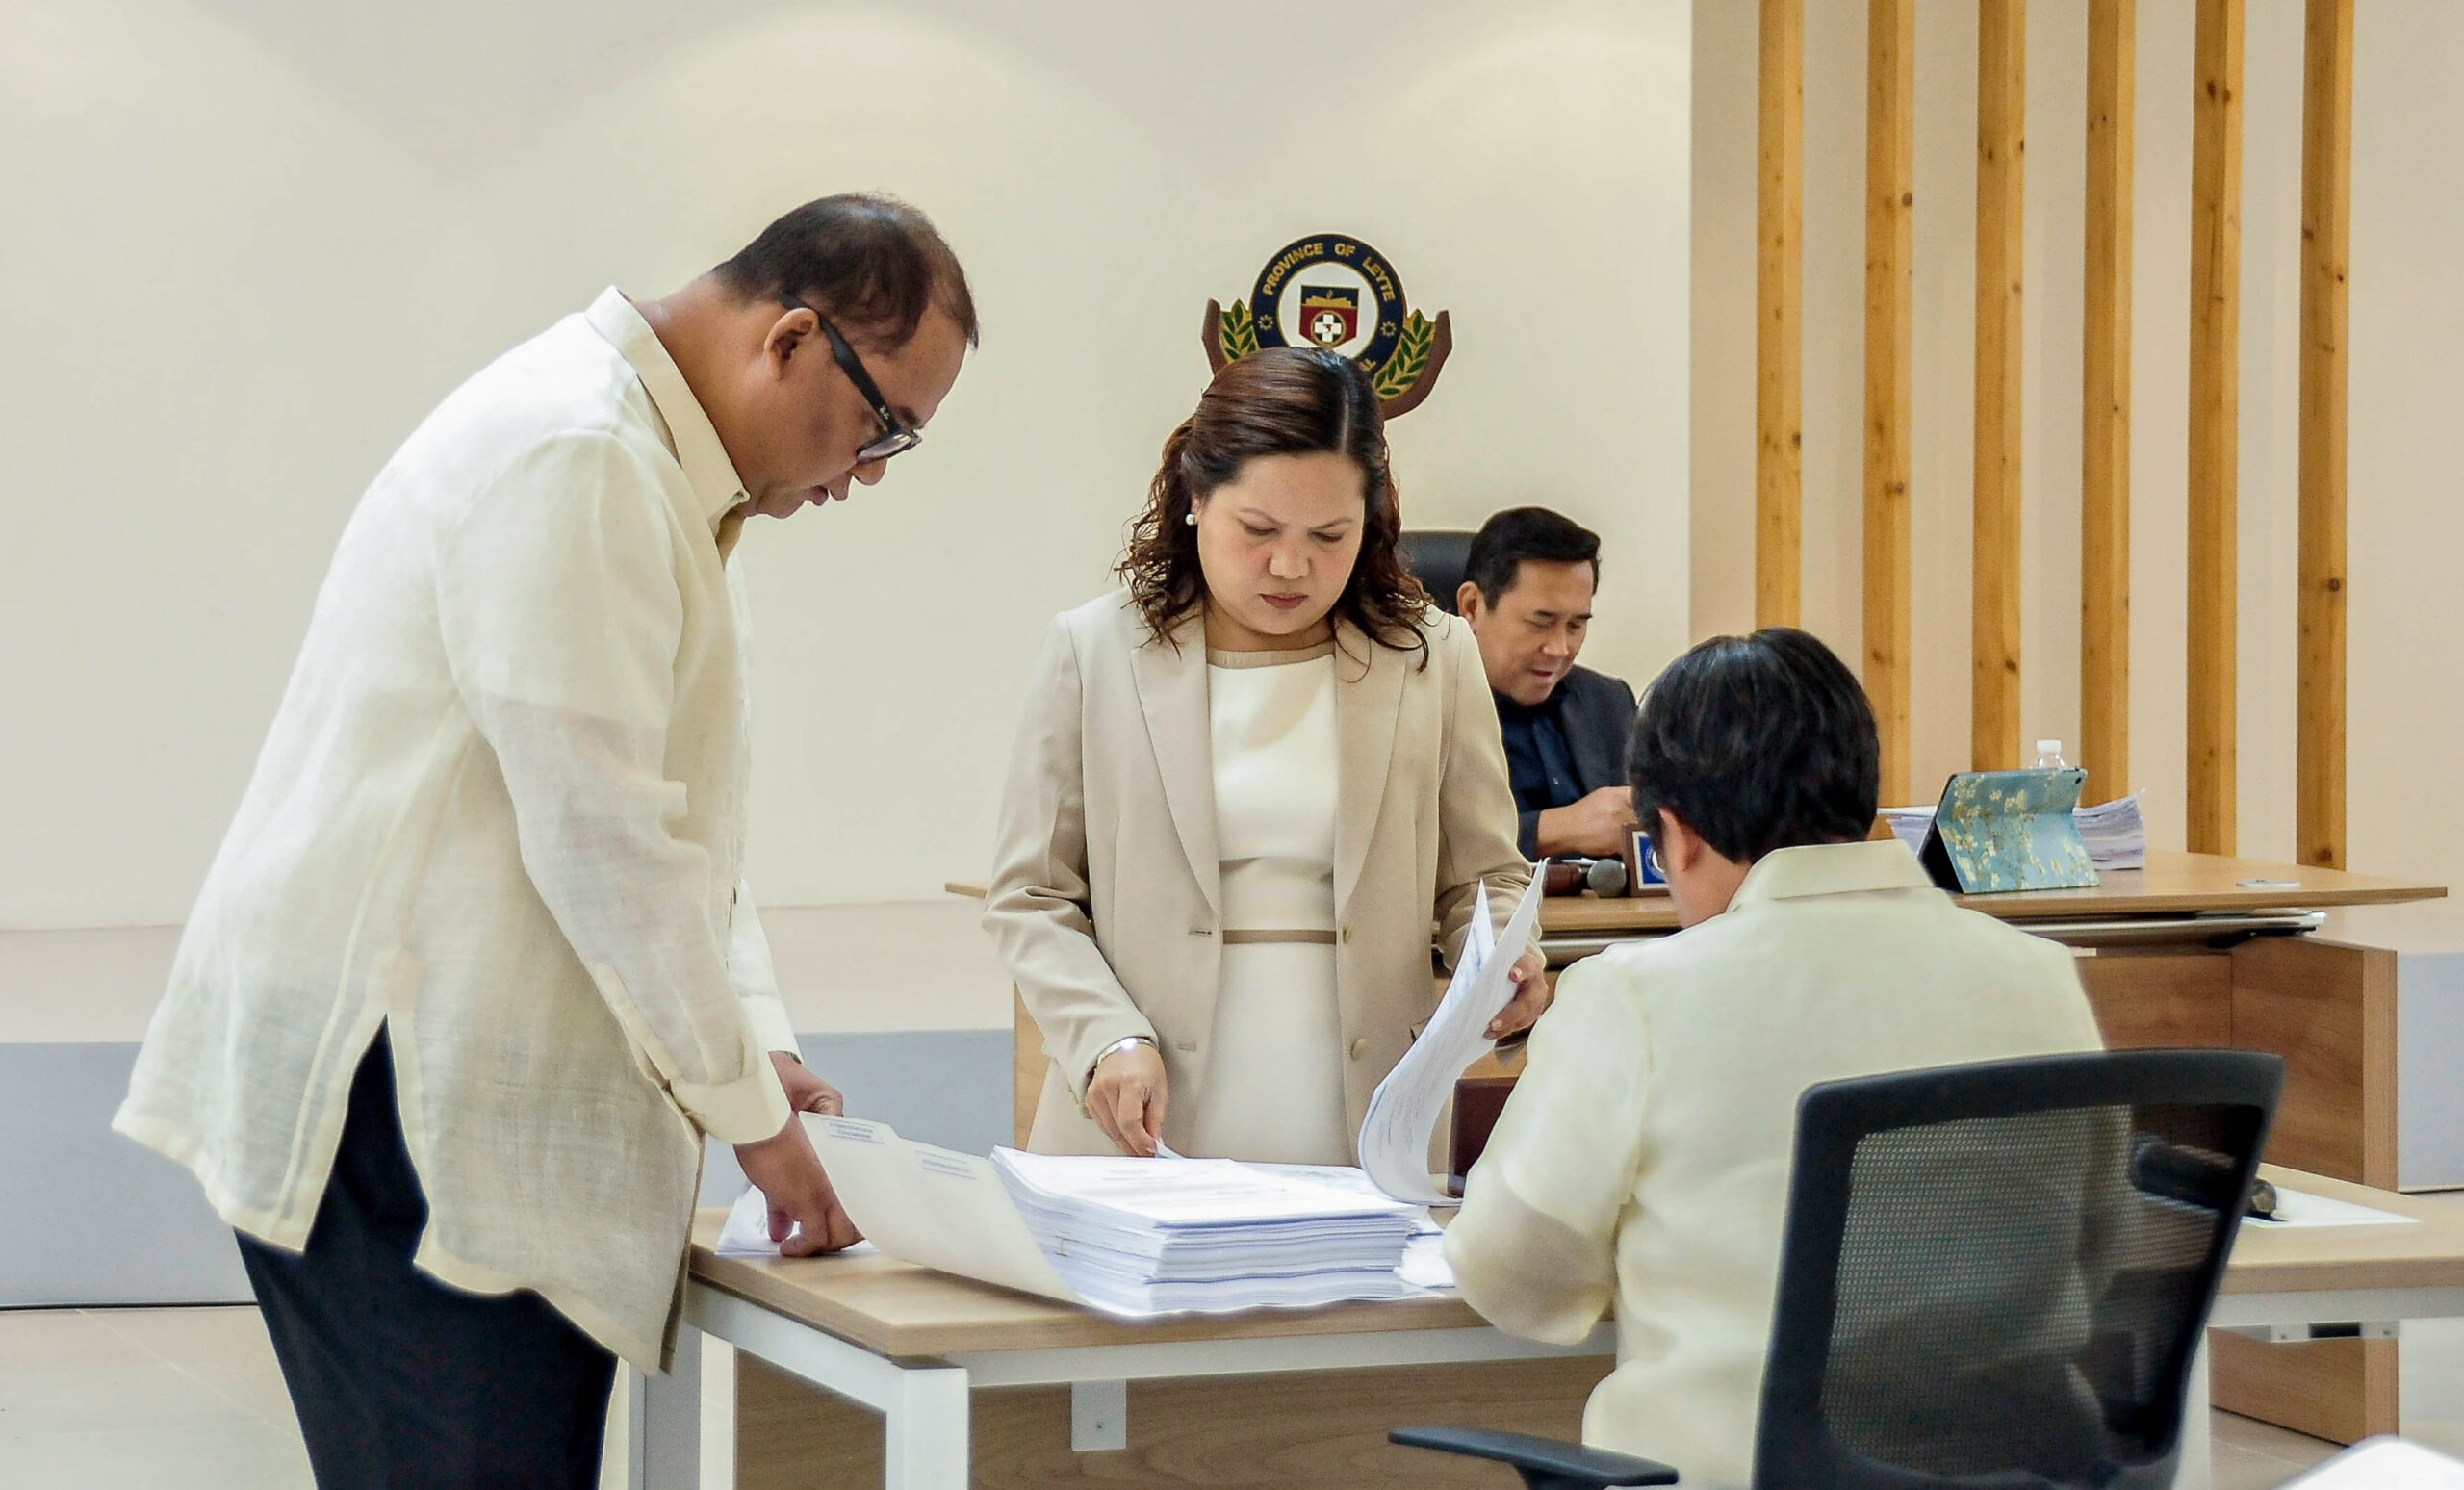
[[947, 1087], [85, 1216], [90, 1219]]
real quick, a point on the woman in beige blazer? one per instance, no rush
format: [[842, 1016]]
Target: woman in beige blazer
[[1245, 787]]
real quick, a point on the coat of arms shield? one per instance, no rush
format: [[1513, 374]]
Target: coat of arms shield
[[1329, 314]]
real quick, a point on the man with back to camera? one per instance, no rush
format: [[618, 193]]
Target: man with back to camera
[[474, 971], [1643, 1158], [1526, 593]]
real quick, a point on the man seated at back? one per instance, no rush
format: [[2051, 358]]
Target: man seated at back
[[1643, 1158], [1527, 594]]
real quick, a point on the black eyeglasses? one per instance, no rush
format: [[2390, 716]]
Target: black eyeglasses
[[895, 437]]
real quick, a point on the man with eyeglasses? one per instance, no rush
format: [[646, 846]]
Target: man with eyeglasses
[[476, 970], [1526, 594]]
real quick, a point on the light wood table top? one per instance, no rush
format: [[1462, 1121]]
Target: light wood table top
[[2172, 884], [2310, 1259], [899, 1309]]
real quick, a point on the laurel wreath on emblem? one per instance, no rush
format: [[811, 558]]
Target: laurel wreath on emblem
[[1411, 359], [1239, 334], [1401, 351]]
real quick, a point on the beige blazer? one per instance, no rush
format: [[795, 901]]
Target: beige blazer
[[1105, 899], [1643, 1160]]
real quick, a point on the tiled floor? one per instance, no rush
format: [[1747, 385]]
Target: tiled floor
[[191, 1397], [143, 1396]]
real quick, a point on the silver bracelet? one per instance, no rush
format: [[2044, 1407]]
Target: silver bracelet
[[1115, 1049]]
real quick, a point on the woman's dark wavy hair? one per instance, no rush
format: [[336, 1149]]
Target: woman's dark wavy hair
[[1278, 400]]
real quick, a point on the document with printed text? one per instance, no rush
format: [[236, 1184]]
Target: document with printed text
[[1403, 1111]]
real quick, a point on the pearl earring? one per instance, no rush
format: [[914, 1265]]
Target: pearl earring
[[1191, 518]]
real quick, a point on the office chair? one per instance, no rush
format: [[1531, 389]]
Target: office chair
[[1993, 1277], [1439, 558]]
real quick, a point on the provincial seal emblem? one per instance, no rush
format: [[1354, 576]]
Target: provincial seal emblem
[[1331, 313], [1337, 293]]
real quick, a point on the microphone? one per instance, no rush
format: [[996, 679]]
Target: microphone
[[1603, 877]]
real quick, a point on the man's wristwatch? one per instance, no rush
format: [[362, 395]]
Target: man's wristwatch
[[1115, 1049]]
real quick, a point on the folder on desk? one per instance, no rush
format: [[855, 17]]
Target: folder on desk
[[932, 1207]]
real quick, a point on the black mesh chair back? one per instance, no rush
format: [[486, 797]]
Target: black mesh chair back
[[1995, 1277], [1438, 559]]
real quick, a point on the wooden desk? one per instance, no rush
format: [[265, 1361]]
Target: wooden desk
[[974, 1382], [2172, 884], [2161, 971], [2320, 1273], [865, 1371]]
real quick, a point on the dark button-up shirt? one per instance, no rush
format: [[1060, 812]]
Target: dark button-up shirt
[[1539, 762]]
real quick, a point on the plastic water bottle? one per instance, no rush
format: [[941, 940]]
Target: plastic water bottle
[[2049, 757]]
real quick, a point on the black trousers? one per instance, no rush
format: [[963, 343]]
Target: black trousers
[[403, 1382]]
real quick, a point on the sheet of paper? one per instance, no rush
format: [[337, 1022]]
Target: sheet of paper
[[1403, 1111], [1346, 1178], [1192, 1191], [2384, 1464], [1425, 1265], [932, 1207], [746, 1232], [2295, 1208]]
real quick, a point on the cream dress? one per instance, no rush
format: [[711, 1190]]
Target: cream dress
[[1275, 1088]]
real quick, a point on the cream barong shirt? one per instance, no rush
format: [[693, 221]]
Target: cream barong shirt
[[501, 812], [1643, 1159]]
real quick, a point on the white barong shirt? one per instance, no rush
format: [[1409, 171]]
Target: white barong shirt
[[1643, 1159], [501, 812]]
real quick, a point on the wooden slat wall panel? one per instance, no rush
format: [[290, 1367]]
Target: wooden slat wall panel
[[2326, 237], [1779, 350], [2104, 466], [2001, 163], [1890, 210], [2215, 422]]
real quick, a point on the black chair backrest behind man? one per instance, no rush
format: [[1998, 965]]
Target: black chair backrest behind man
[[1439, 559], [1993, 1277]]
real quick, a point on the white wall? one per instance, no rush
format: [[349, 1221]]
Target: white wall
[[250, 242], [2408, 631]]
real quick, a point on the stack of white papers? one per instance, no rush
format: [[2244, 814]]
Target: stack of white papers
[[1148, 1236], [1132, 1237], [1143, 1236], [1424, 1266], [1910, 825], [2115, 835]]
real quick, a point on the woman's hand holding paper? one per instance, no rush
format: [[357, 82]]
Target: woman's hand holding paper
[[1531, 998]]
